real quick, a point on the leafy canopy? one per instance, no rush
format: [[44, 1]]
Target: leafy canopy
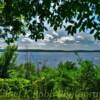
[[18, 15]]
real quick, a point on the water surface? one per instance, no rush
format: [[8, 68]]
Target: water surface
[[54, 58]]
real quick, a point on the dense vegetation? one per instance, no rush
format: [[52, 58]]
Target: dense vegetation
[[68, 81], [20, 16]]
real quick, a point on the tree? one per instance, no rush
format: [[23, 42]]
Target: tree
[[18, 15]]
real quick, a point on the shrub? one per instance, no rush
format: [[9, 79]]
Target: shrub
[[14, 86], [68, 65], [7, 60], [26, 71], [87, 75]]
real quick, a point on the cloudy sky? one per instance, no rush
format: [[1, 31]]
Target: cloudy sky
[[59, 41]]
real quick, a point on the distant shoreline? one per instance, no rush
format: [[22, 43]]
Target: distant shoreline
[[41, 50]]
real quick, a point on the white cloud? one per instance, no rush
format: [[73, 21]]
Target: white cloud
[[28, 40], [48, 37], [53, 33], [59, 40], [80, 37], [65, 39]]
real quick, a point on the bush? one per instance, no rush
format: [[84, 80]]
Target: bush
[[26, 71], [14, 86], [68, 65], [87, 75], [7, 61]]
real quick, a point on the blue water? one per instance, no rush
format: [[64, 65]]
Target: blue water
[[54, 58]]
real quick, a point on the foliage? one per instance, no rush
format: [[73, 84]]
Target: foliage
[[17, 16], [68, 74], [11, 87], [7, 60], [26, 71], [67, 65], [87, 76]]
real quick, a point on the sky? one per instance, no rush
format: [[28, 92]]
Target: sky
[[58, 41], [61, 41]]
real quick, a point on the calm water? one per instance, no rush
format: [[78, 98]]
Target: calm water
[[54, 58]]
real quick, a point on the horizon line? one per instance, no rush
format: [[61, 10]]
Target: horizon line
[[45, 50]]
